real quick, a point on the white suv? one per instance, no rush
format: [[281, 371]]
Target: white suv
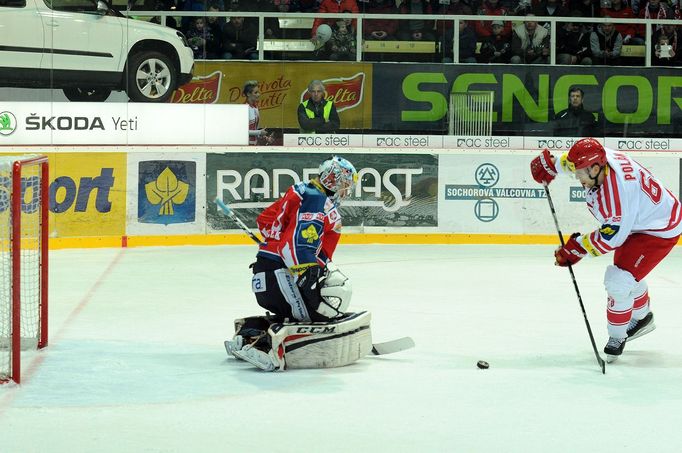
[[88, 48]]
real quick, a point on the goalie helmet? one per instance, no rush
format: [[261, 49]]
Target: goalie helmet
[[585, 153], [336, 293], [337, 175]]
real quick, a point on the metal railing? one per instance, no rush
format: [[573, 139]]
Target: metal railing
[[360, 18]]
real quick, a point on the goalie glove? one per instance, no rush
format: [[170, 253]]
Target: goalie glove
[[335, 294], [570, 253]]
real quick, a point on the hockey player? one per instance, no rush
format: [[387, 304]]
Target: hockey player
[[640, 223], [295, 280]]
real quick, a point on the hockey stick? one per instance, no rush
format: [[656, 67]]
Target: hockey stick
[[390, 347], [225, 209], [600, 361]]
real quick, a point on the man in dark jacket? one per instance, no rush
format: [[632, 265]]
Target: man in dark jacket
[[575, 121], [317, 115]]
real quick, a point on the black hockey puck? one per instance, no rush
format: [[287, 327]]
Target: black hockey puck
[[482, 364]]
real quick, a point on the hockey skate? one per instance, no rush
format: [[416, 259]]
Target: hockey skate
[[638, 328], [234, 344], [255, 357], [614, 348]]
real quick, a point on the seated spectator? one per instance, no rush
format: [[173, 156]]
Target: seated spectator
[[655, 9], [191, 5], [584, 8], [415, 29], [334, 7], [380, 29], [606, 44], [575, 121], [671, 32], [530, 43], [573, 45], [197, 35], [631, 33], [496, 48], [239, 39], [445, 28], [663, 52], [342, 42], [484, 28]]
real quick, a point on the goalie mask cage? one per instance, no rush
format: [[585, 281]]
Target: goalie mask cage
[[23, 259], [471, 113]]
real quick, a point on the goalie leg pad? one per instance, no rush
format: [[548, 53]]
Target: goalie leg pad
[[322, 344]]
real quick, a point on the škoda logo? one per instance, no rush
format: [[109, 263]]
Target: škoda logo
[[8, 123]]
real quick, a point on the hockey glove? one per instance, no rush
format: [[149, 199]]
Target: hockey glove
[[542, 168], [570, 253], [309, 284]]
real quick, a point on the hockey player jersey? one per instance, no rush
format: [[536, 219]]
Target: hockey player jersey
[[301, 229], [630, 200]]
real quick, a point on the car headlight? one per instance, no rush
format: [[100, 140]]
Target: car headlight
[[183, 39]]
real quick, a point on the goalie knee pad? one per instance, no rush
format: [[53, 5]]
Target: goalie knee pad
[[322, 344]]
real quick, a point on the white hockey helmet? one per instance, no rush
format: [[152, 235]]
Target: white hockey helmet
[[338, 176], [336, 293]]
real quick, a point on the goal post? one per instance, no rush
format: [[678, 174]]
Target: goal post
[[471, 113], [24, 226]]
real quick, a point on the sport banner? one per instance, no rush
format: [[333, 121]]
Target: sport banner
[[87, 194], [494, 193], [624, 101], [283, 85], [394, 190]]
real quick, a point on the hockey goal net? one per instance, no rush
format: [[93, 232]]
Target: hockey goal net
[[23, 260]]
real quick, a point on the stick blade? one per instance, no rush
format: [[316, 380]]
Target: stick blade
[[393, 346]]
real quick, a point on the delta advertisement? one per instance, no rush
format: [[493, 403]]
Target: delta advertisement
[[283, 87], [396, 190]]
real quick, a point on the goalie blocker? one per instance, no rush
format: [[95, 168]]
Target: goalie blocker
[[277, 346]]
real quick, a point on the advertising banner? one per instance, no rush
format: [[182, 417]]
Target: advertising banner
[[394, 190], [624, 101], [87, 194], [87, 123], [494, 194], [283, 85], [166, 193]]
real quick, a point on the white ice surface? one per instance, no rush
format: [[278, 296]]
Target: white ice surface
[[136, 360]]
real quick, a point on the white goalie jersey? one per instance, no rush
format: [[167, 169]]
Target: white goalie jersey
[[631, 200]]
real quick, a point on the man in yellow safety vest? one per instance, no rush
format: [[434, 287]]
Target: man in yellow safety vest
[[317, 115]]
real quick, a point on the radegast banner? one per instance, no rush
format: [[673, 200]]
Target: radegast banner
[[624, 101], [393, 190]]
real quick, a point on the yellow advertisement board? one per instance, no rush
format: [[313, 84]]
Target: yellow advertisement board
[[87, 194], [282, 88]]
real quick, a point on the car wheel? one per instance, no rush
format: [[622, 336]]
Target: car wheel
[[87, 94], [152, 77]]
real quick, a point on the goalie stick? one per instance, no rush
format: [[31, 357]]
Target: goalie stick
[[225, 209], [393, 346], [387, 347]]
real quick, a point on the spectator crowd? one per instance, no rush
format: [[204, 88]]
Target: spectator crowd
[[489, 40]]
